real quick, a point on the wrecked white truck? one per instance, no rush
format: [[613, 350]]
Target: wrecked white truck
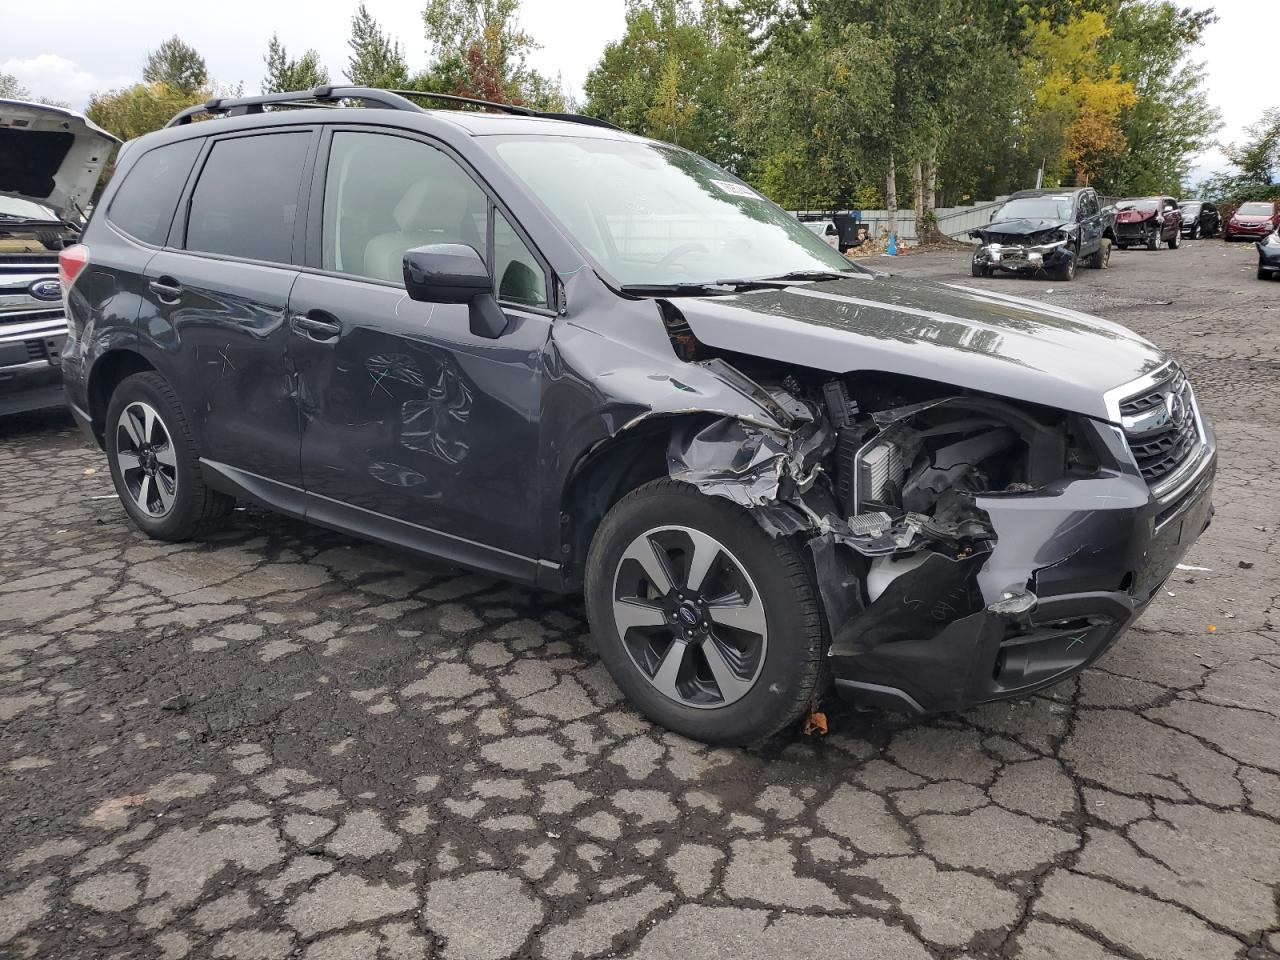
[[609, 366]]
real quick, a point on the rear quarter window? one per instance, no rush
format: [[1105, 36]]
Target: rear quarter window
[[144, 205]]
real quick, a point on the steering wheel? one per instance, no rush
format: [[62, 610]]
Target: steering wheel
[[680, 251]]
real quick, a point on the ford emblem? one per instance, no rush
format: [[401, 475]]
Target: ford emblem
[[47, 290]]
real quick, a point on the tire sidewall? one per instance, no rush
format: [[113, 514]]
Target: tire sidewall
[[771, 700], [142, 387]]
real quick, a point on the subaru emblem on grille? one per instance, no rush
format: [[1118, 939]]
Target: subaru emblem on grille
[[1174, 406], [47, 290]]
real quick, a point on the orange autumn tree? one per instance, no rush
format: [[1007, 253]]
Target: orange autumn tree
[[1077, 98]]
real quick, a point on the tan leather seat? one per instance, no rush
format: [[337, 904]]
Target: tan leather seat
[[432, 210]]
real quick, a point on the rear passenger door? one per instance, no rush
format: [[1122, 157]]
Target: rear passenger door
[[414, 428], [219, 301]]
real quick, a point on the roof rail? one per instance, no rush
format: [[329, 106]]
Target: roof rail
[[330, 95]]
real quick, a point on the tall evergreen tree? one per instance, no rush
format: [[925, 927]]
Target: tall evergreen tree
[[285, 73], [376, 60], [176, 64]]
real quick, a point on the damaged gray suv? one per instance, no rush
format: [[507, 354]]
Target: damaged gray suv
[[538, 346]]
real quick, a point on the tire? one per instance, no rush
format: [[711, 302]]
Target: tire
[[1067, 272], [978, 270], [1121, 246], [154, 465], [1153, 242], [783, 661], [1263, 274], [1175, 240], [1195, 232], [1101, 258]]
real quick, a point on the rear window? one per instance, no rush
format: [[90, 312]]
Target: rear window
[[245, 203], [143, 206]]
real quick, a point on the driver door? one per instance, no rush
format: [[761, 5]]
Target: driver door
[[413, 427]]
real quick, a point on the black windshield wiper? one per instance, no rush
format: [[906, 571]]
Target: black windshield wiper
[[682, 289], [812, 275]]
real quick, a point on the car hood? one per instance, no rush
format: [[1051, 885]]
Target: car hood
[[51, 156], [1022, 227], [946, 332], [1252, 219]]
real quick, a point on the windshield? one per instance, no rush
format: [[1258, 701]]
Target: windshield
[[650, 214], [1036, 208], [1256, 209], [1191, 208], [19, 209], [1138, 205]]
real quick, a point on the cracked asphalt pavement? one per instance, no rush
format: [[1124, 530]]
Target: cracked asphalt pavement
[[281, 742]]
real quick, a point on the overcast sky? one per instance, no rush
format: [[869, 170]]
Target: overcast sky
[[91, 45]]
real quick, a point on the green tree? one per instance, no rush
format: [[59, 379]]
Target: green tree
[[1171, 118], [177, 65], [480, 50], [132, 111], [1257, 163], [676, 74], [11, 89], [376, 60], [285, 73]]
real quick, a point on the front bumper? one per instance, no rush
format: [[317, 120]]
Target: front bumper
[[1249, 229], [1142, 231], [1094, 552], [1019, 259], [1268, 256], [30, 365]]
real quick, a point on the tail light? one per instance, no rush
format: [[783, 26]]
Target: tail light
[[71, 260]]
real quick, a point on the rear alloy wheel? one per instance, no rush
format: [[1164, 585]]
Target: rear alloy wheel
[[153, 462], [707, 624], [1101, 258], [1175, 239]]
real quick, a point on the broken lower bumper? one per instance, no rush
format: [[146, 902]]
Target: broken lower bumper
[[1076, 565], [1019, 259]]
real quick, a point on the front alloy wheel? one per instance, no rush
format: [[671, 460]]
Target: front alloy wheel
[[145, 454], [689, 616], [708, 625]]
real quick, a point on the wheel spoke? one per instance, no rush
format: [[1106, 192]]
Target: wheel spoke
[[705, 552], [143, 497], [166, 487], [166, 455], [148, 422], [664, 678], [132, 427], [636, 613], [653, 560], [743, 615], [731, 685], [127, 460]]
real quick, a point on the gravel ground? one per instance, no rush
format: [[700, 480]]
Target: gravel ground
[[283, 742]]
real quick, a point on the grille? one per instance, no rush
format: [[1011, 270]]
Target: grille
[[28, 316], [1160, 425], [1019, 239], [36, 350]]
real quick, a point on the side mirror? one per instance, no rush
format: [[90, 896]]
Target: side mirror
[[455, 273]]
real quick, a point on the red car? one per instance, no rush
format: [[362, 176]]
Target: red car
[[1150, 221], [1254, 220]]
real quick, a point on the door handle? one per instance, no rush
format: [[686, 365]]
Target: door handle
[[167, 289], [314, 328]]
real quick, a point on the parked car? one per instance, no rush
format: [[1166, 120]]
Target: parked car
[[826, 229], [1200, 218], [1269, 256], [50, 161], [541, 347], [1254, 219], [1150, 221], [1046, 232]]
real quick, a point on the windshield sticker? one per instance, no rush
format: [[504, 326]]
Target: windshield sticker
[[736, 189]]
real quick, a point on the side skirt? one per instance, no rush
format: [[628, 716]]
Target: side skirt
[[368, 525]]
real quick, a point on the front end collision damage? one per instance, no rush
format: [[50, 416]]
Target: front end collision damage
[[1030, 258], [964, 550]]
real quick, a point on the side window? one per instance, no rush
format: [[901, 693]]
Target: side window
[[517, 274], [1088, 205], [246, 200], [143, 206], [385, 194]]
